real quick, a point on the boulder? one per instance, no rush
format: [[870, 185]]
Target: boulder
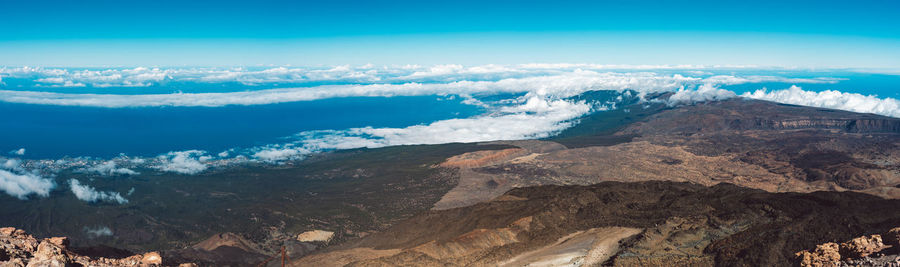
[[7, 231], [18, 248], [14, 263], [861, 246], [19, 233], [62, 242], [827, 254], [151, 258], [49, 255]]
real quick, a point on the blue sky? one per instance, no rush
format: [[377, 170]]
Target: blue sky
[[138, 32]]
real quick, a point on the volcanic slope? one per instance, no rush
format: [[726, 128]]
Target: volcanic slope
[[654, 223], [756, 144], [698, 217]]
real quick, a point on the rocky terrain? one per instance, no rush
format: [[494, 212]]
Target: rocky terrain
[[752, 144], [18, 248], [756, 144], [622, 224], [874, 250]]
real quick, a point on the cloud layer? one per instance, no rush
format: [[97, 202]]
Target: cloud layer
[[562, 85], [830, 99], [365, 74], [534, 116], [346, 81]]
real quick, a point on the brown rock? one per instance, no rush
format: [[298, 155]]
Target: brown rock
[[824, 255], [14, 263], [29, 244], [861, 246], [7, 231], [19, 233], [187, 265], [891, 237], [49, 254], [152, 258], [18, 248], [62, 242]]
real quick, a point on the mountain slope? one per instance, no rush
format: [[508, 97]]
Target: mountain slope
[[722, 225]]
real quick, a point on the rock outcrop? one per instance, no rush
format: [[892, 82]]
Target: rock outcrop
[[861, 251], [18, 248], [824, 255], [861, 247], [315, 236]]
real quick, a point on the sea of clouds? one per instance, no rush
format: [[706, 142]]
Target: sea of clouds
[[540, 107]]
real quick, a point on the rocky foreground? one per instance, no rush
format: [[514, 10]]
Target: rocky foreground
[[18, 248], [874, 250]]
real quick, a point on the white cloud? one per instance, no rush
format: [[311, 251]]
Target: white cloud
[[617, 66], [831, 99], [563, 85], [705, 92], [12, 164], [535, 116], [20, 185], [184, 162], [367, 80], [110, 168], [89, 194], [732, 80], [272, 154], [98, 231], [699, 72], [18, 152], [143, 77]]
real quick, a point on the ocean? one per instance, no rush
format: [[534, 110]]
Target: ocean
[[49, 131]]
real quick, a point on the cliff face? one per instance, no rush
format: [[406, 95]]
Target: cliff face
[[743, 114], [850, 125], [832, 150]]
